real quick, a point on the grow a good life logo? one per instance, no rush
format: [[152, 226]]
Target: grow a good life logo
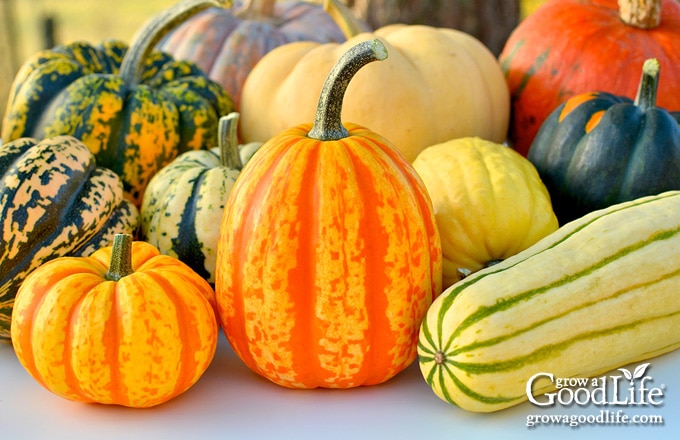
[[608, 393]]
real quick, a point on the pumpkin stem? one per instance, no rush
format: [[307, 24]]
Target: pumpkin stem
[[649, 84], [256, 10], [121, 257], [643, 14], [146, 38], [327, 121], [227, 135], [348, 23]]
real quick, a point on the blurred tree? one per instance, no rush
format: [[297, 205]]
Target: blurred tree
[[490, 21], [9, 57]]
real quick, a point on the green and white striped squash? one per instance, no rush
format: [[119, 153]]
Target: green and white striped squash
[[599, 293], [183, 204], [54, 201]]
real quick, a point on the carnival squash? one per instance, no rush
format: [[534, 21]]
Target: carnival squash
[[599, 293], [54, 201], [183, 203], [125, 326], [135, 108], [329, 253], [227, 42], [488, 200], [598, 149], [569, 47], [438, 84]]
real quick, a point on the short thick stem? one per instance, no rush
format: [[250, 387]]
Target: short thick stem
[[327, 121], [146, 39], [643, 14], [227, 135], [649, 85], [121, 258], [257, 10]]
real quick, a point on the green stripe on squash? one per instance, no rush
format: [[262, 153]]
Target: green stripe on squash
[[597, 294]]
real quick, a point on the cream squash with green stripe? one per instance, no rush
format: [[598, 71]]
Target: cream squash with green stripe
[[183, 203], [599, 293]]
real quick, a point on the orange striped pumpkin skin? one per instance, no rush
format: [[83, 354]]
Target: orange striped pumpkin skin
[[135, 342], [328, 259]]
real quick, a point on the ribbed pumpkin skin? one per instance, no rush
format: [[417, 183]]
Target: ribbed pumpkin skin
[[489, 202], [228, 46], [54, 201], [598, 149], [183, 205], [133, 130], [599, 293], [136, 342], [328, 259], [568, 47], [458, 95]]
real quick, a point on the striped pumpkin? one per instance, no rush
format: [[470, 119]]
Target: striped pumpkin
[[54, 201], [185, 200], [135, 108], [124, 326], [329, 253], [599, 293]]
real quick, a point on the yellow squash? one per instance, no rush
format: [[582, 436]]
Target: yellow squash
[[488, 200]]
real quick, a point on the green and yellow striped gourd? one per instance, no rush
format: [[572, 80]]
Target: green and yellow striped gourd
[[183, 203], [599, 293], [54, 201]]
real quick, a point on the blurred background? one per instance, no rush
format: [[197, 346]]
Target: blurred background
[[27, 26]]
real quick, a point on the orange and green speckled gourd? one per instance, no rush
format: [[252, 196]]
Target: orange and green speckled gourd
[[135, 108], [329, 254], [125, 326]]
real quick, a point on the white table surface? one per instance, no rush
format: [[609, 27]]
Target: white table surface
[[230, 402]]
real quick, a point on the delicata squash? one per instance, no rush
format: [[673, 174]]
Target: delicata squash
[[599, 293]]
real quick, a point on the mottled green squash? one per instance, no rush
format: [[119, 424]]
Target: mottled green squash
[[135, 108], [54, 201]]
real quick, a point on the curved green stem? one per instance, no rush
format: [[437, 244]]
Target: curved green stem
[[227, 135], [649, 84], [327, 121], [121, 258], [146, 39]]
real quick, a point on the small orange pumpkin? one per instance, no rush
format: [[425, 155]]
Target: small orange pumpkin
[[136, 333], [329, 253]]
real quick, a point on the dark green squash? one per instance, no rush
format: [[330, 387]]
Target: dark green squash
[[598, 149], [54, 201], [135, 108]]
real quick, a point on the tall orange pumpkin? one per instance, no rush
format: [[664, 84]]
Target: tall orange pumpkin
[[329, 253], [125, 326], [569, 47]]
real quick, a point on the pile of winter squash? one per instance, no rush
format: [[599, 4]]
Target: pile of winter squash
[[342, 201]]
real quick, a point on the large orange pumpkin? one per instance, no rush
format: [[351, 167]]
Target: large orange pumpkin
[[569, 47], [329, 253], [124, 326]]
